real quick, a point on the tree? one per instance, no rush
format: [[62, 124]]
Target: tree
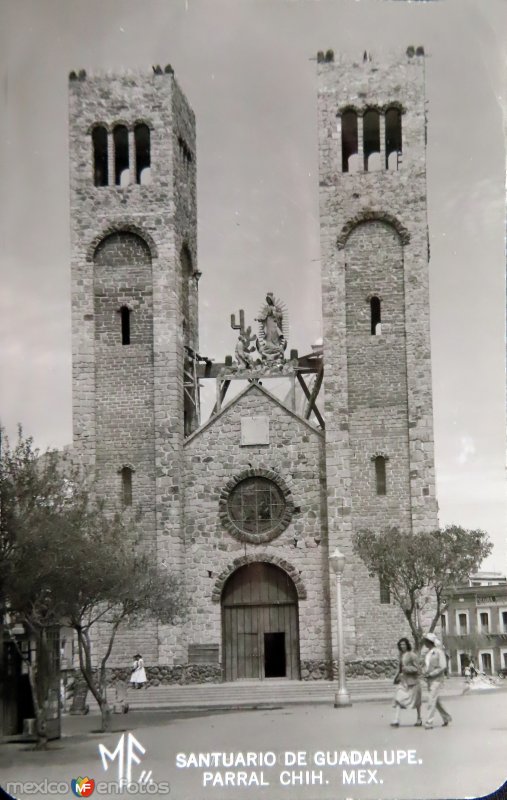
[[30, 490], [418, 568], [127, 586], [66, 560]]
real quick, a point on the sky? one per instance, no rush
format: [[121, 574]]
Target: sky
[[248, 69]]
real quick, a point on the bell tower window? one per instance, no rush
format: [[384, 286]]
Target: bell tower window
[[393, 138], [371, 140], [349, 138], [121, 155], [143, 155], [100, 166]]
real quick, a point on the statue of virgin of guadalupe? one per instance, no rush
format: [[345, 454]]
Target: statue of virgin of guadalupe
[[271, 343]]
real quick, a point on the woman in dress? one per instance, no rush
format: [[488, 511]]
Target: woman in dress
[[408, 686], [138, 677]]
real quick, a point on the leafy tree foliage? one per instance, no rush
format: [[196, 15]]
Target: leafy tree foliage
[[66, 560], [418, 568]]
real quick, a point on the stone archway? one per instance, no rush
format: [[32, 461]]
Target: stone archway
[[260, 624]]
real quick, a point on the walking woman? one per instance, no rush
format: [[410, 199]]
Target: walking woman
[[408, 692]]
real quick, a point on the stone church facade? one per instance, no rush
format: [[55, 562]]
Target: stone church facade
[[248, 506]]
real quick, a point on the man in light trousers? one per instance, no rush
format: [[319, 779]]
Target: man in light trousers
[[434, 672]]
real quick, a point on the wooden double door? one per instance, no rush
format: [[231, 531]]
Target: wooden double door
[[260, 624]]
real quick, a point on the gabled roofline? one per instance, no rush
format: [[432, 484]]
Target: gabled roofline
[[238, 397]]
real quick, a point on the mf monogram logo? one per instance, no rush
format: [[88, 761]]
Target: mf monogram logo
[[126, 755]]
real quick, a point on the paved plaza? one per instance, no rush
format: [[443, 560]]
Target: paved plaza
[[465, 759]]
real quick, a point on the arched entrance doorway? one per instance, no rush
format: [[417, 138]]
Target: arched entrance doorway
[[260, 635]]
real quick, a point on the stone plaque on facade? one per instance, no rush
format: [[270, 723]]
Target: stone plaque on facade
[[203, 654], [254, 430]]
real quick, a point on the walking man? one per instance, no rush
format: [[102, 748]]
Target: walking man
[[434, 672]]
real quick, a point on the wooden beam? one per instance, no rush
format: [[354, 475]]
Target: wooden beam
[[313, 397], [213, 369], [308, 397], [220, 396], [209, 370], [293, 392], [303, 385], [311, 362]]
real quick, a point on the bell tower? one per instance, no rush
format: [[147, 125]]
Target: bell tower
[[377, 384], [134, 295]]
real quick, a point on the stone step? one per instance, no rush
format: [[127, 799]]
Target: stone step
[[248, 694], [242, 693]]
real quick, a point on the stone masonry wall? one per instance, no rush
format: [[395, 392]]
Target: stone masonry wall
[[377, 389], [213, 456]]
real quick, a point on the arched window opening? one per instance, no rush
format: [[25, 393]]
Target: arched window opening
[[121, 155], [100, 171], [385, 592], [349, 138], [126, 486], [393, 138], [142, 145], [380, 475], [125, 324], [376, 322], [371, 137]]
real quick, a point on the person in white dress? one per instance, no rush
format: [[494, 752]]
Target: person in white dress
[[138, 677]]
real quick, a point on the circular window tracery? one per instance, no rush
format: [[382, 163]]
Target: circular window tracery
[[256, 506]]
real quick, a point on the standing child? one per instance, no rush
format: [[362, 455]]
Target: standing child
[[138, 677]]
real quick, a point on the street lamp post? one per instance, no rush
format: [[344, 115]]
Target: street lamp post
[[337, 563]]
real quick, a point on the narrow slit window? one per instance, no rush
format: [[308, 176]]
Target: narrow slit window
[[375, 316], [100, 169], [385, 592], [126, 486], [349, 138], [121, 155], [371, 140], [125, 324], [380, 475], [143, 155], [393, 138]]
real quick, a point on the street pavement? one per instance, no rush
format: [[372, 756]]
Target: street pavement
[[465, 759]]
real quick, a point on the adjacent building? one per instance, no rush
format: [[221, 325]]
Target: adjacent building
[[474, 624]]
